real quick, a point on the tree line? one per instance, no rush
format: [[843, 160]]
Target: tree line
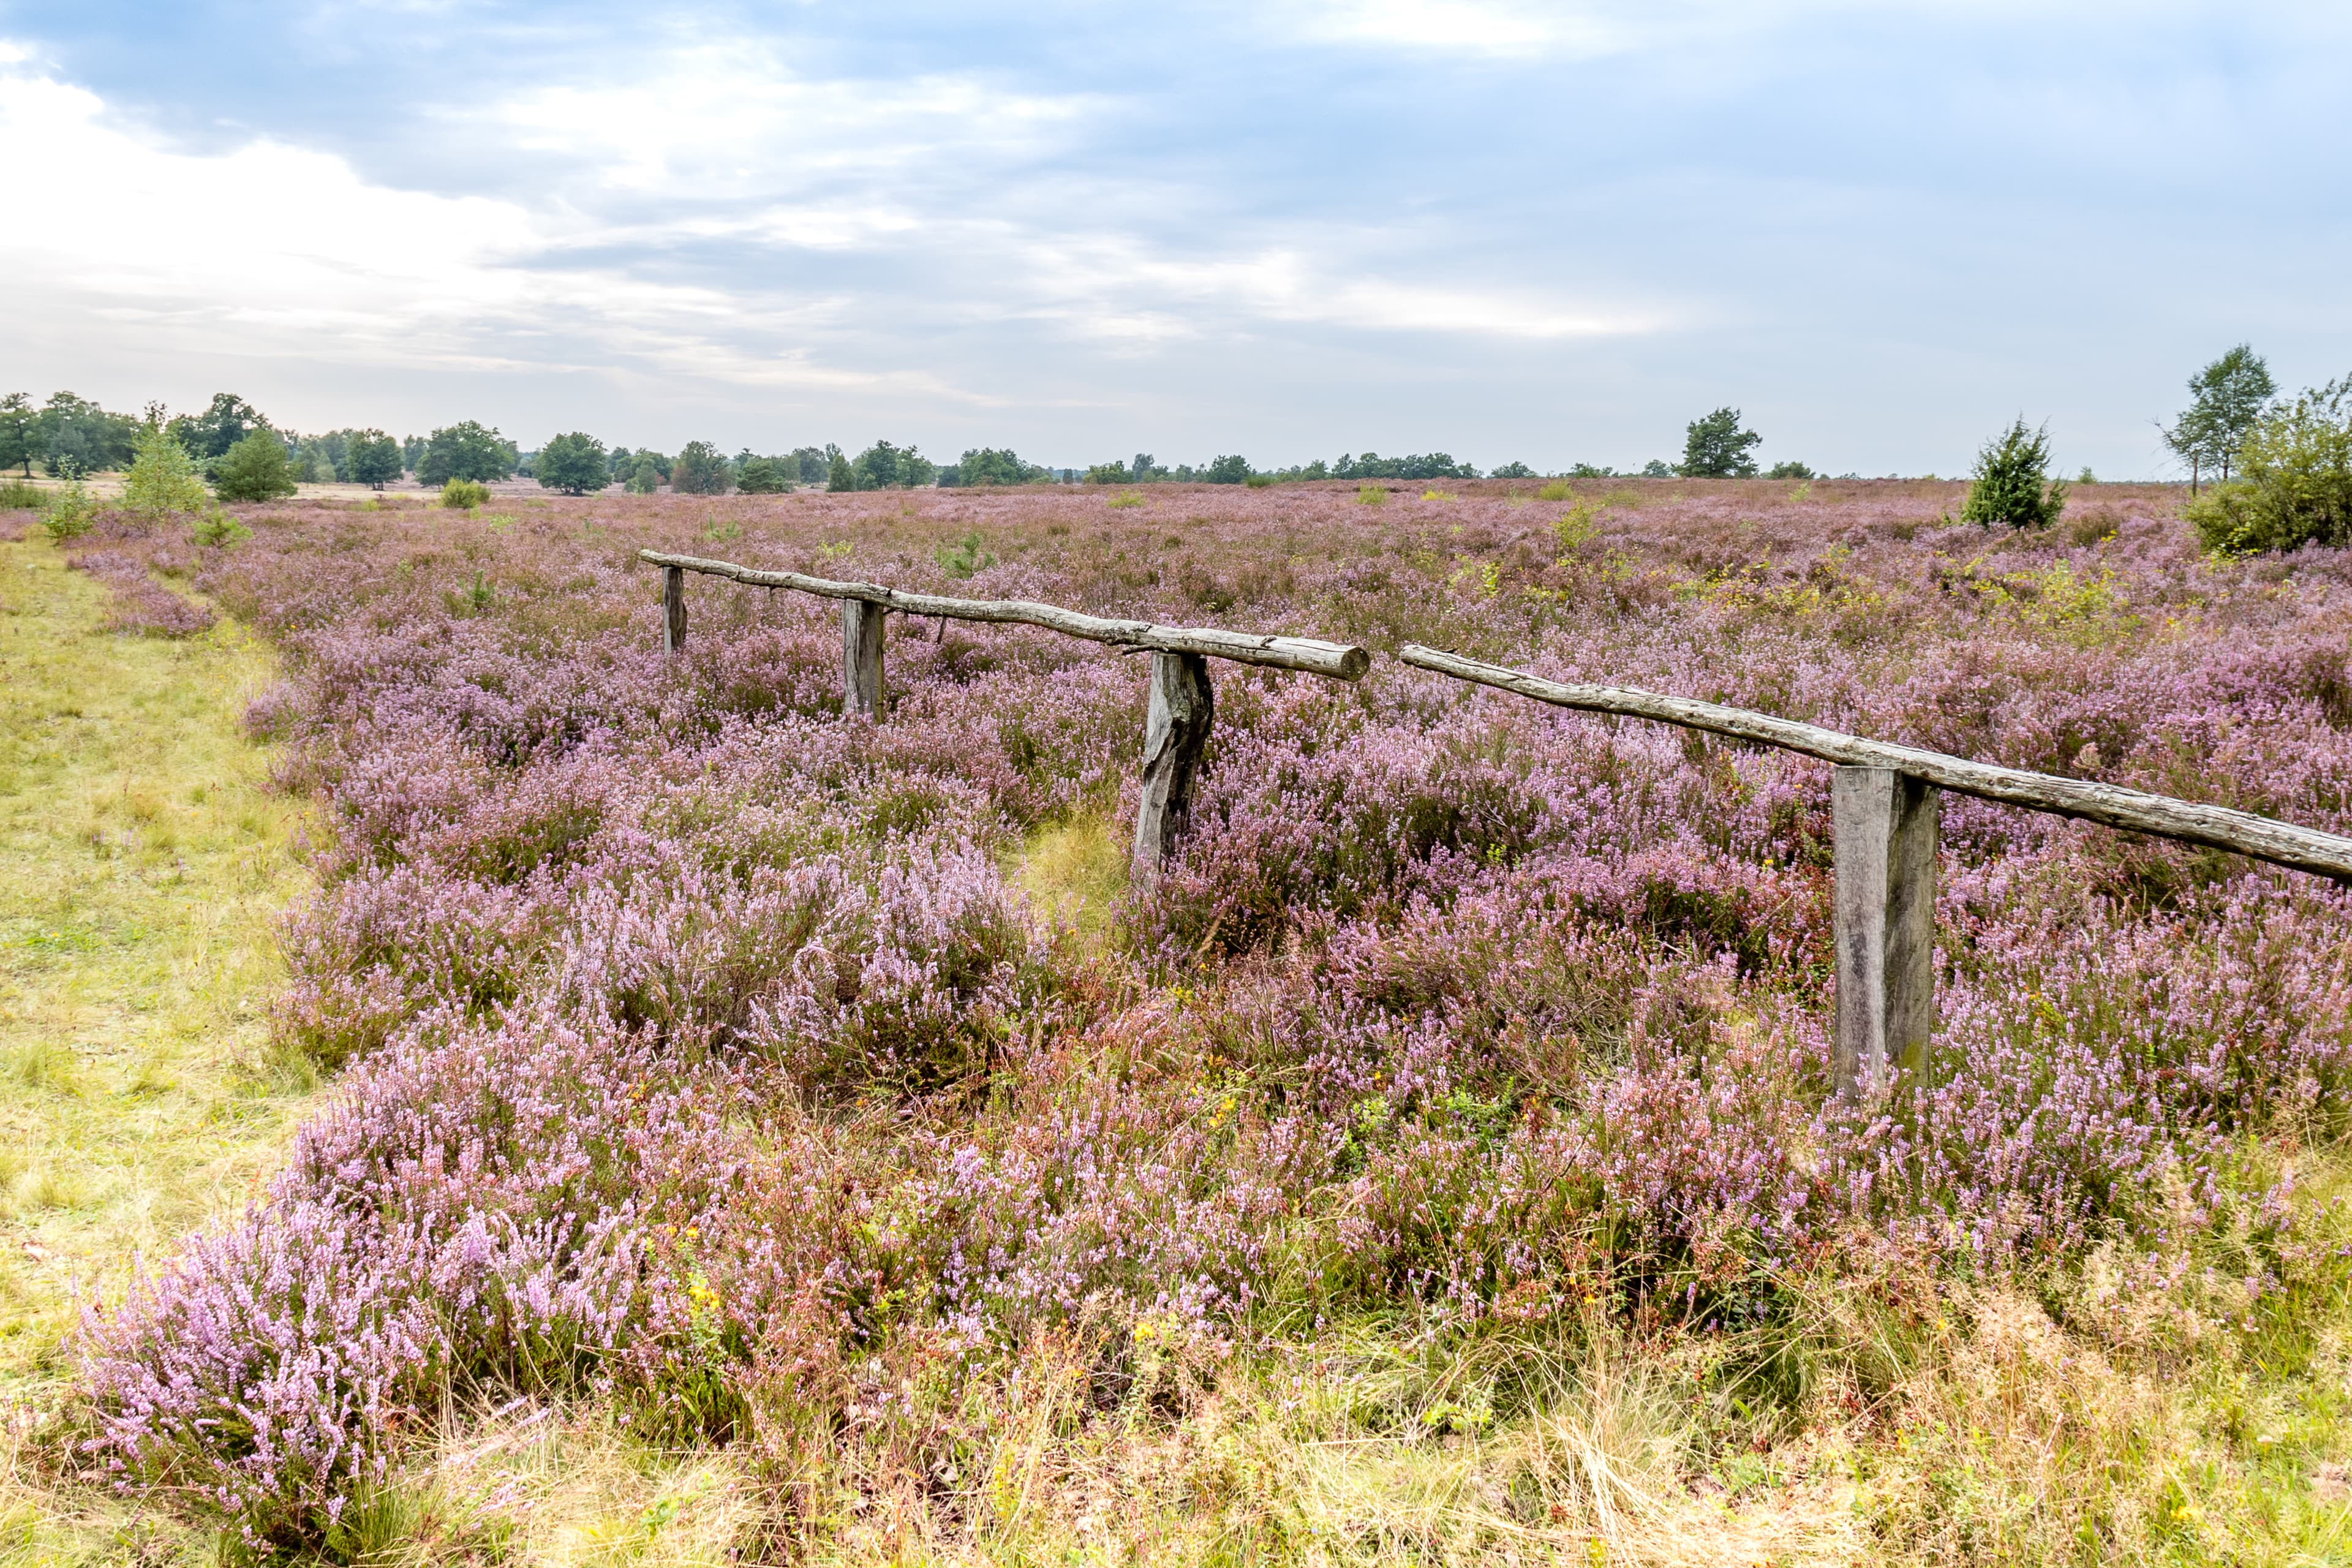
[[2283, 464]]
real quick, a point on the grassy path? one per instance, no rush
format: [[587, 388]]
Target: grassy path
[[142, 865]]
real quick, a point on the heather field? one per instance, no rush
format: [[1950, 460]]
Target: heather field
[[759, 1135]]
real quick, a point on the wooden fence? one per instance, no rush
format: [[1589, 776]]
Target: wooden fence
[[1882, 837], [1883, 799], [1183, 702]]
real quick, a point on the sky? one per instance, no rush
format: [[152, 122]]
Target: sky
[[1285, 229]]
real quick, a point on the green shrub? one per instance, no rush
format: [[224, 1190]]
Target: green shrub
[[644, 479], [2295, 479], [163, 477], [464, 495], [964, 557], [255, 468], [1371, 495], [19, 495], [1259, 481], [1559, 489], [69, 512], [2012, 481], [218, 530]]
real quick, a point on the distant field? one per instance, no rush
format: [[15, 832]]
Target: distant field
[[764, 1134]]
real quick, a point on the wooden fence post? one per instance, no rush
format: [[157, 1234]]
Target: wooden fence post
[[1183, 705], [861, 658], [1883, 830], [673, 608]]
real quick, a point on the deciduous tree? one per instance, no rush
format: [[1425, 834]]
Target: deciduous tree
[[2227, 399], [2296, 484], [77, 437], [224, 421], [572, 463], [16, 427], [374, 458], [466, 451], [701, 469]]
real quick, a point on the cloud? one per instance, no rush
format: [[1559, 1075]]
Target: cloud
[[720, 221], [1499, 27]]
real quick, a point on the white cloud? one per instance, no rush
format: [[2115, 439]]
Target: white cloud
[[1467, 27], [723, 232]]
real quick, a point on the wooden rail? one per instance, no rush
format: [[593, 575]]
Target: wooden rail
[[1182, 702], [1883, 822], [1339, 660]]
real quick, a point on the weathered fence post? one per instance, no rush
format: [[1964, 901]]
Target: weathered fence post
[[673, 608], [1883, 830], [1182, 704], [861, 658]]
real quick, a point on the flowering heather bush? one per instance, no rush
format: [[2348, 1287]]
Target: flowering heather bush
[[700, 1051], [120, 551]]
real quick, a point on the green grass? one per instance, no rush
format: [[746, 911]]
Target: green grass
[[142, 865]]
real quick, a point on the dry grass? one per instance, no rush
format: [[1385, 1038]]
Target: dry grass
[[1075, 871]]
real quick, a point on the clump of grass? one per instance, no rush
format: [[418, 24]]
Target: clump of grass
[[1075, 870], [1371, 495], [19, 495], [1126, 500], [43, 1064], [1559, 489]]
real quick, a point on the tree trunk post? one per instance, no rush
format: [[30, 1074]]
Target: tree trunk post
[[1177, 729], [673, 609], [861, 658], [1883, 830]]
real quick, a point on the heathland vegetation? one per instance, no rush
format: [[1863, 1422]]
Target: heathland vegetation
[[762, 1133], [759, 1133]]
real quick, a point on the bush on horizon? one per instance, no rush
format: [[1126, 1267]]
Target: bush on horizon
[[2295, 479]]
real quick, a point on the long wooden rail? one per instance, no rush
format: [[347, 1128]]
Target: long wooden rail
[[1183, 705], [1884, 821], [1341, 661]]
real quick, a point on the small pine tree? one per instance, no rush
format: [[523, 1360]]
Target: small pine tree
[[163, 477], [1716, 447], [255, 468], [2012, 483], [644, 479], [839, 475]]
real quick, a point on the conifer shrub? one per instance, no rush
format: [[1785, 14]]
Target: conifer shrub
[[464, 495], [256, 469], [2012, 484], [163, 477]]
